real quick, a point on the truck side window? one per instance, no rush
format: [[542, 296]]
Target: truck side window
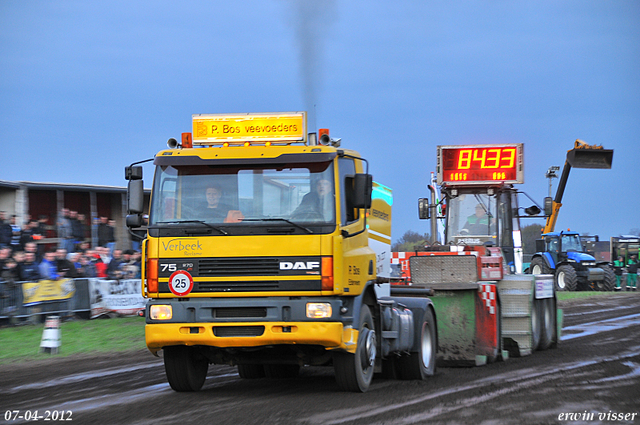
[[347, 168]]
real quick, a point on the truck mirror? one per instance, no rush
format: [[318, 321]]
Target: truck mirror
[[423, 208], [362, 187], [133, 172], [134, 220], [135, 197], [548, 206], [532, 210], [539, 245]]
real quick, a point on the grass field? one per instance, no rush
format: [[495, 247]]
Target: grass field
[[582, 294], [22, 343]]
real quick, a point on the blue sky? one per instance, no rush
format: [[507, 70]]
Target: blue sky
[[88, 87]]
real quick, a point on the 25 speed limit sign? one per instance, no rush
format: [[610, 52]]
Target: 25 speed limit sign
[[180, 283]]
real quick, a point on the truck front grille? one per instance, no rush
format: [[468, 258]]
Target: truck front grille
[[238, 286], [237, 331], [215, 267], [240, 313]]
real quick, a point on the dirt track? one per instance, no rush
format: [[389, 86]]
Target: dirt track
[[595, 373]]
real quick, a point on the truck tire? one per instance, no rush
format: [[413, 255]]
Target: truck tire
[[422, 363], [547, 323], [251, 371], [186, 369], [539, 266], [566, 278], [536, 311], [354, 372], [281, 371], [609, 282]]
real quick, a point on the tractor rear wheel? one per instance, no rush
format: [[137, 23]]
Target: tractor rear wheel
[[547, 323], [535, 323], [566, 278]]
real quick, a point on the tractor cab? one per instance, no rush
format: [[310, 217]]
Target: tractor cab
[[564, 247]]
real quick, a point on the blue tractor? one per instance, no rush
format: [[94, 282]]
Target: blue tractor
[[561, 254]]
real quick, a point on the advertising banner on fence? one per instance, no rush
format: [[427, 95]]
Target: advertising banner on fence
[[47, 290], [115, 297]]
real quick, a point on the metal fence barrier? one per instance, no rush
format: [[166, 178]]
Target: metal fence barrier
[[13, 310]]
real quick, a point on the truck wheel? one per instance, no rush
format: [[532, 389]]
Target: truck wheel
[[547, 323], [421, 364], [251, 371], [566, 278], [609, 282], [186, 368], [354, 372], [281, 371], [539, 266], [536, 310]]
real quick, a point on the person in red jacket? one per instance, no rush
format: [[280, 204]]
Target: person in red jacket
[[101, 267]]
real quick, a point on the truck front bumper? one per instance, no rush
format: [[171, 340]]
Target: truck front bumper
[[250, 322], [256, 334]]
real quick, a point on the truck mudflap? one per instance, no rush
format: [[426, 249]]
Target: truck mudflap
[[330, 335]]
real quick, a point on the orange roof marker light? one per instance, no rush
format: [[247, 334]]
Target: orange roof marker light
[[187, 141]]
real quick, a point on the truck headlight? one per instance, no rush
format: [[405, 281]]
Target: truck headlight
[[318, 310], [160, 312]]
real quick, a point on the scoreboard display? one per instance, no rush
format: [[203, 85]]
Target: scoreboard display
[[480, 164]]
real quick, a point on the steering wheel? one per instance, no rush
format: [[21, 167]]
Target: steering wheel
[[307, 215]]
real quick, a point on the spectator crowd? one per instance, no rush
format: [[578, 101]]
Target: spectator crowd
[[76, 255]]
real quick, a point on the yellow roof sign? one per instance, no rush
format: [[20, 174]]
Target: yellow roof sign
[[218, 128]]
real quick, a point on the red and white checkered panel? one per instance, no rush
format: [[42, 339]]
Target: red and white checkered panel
[[488, 295]]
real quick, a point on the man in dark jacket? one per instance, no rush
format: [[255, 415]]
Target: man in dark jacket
[[113, 270], [28, 269], [6, 232], [106, 233], [66, 269], [77, 226]]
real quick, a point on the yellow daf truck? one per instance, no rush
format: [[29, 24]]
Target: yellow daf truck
[[268, 248]]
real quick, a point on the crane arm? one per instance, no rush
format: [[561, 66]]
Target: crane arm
[[581, 156]]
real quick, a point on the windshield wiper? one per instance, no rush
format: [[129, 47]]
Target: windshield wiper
[[194, 221], [280, 219]]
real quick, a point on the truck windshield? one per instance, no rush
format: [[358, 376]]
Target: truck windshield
[[471, 215], [237, 195]]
